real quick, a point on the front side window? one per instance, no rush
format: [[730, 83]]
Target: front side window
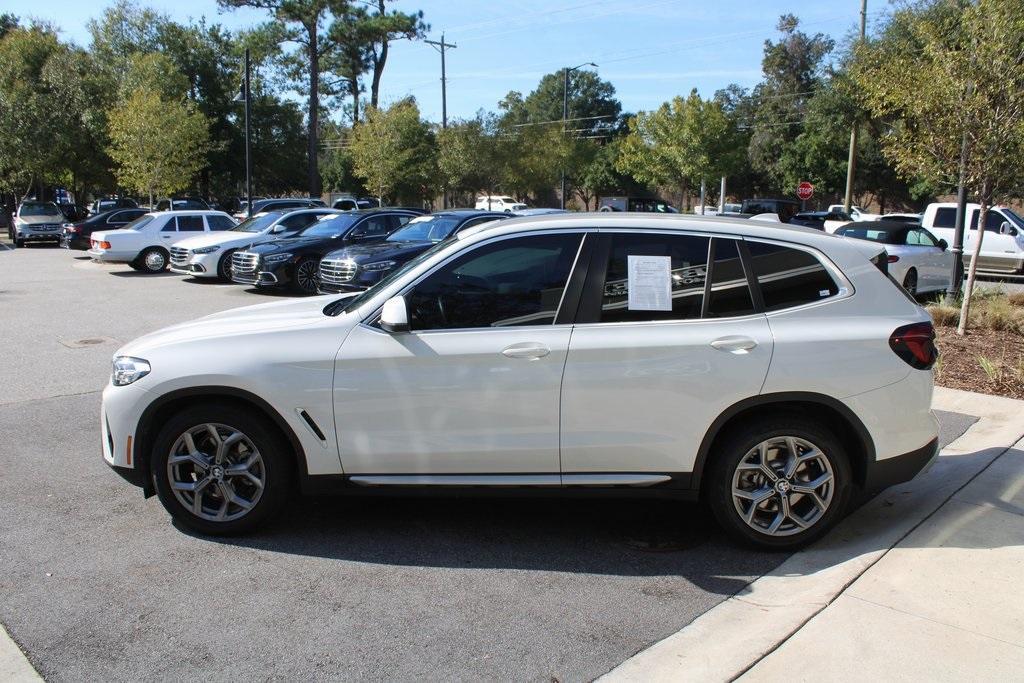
[[654, 277], [512, 282], [919, 237], [220, 222], [789, 277], [375, 226]]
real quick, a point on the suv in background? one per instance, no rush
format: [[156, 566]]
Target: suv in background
[[355, 203], [108, 203], [529, 354], [635, 204], [293, 262], [278, 204], [37, 221], [785, 209], [182, 204], [499, 203]]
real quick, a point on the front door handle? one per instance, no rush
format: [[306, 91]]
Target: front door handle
[[527, 350], [734, 344]]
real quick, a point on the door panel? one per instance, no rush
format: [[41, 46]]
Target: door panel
[[449, 402], [640, 397]]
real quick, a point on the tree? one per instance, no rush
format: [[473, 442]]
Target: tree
[[681, 142], [159, 144], [792, 69], [394, 151], [926, 72], [599, 175], [469, 155]]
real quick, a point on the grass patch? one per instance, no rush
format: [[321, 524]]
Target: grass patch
[[991, 310]]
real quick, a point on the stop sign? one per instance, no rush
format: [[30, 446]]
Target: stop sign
[[805, 190]]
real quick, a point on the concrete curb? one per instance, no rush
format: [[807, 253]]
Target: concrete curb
[[14, 666], [729, 639]]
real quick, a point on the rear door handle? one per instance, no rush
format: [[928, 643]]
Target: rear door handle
[[734, 344], [527, 350]]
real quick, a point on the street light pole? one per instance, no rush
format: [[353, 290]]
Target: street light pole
[[248, 157], [565, 115]]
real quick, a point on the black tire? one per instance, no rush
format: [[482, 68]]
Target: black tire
[[224, 266], [910, 282], [148, 261], [741, 447], [19, 242], [304, 280], [275, 468]]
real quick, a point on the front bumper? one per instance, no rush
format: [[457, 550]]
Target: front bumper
[[32, 235], [882, 474], [267, 275], [197, 265]]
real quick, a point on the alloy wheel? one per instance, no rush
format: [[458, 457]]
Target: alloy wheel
[[305, 275], [216, 472], [155, 261], [783, 486]]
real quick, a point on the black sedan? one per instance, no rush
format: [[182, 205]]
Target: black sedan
[[76, 235], [354, 268], [293, 262]]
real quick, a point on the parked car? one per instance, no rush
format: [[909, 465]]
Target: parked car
[[905, 217], [278, 204], [784, 208], [916, 258], [640, 204], [821, 220], [856, 213], [36, 221], [1002, 249], [108, 203], [79, 235], [355, 203], [355, 268], [209, 255], [498, 203], [293, 262], [182, 204], [538, 212], [73, 212], [557, 353], [145, 243]]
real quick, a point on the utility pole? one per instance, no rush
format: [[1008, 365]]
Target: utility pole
[[441, 47], [721, 198], [851, 162], [244, 97], [565, 116]]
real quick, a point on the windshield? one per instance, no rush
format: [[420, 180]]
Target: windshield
[[425, 229], [40, 209], [258, 223], [880, 236], [139, 222], [349, 304], [334, 225]]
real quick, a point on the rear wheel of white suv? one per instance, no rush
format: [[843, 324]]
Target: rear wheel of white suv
[[779, 483], [219, 470]]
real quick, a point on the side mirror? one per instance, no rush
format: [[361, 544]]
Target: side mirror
[[1006, 229], [944, 245], [394, 317]]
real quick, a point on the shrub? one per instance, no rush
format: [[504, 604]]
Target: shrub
[[944, 316]]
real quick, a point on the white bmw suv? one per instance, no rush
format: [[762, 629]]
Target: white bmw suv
[[768, 370]]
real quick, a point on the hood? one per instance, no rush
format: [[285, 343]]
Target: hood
[[225, 238], [43, 220], [381, 251], [286, 243], [235, 322]]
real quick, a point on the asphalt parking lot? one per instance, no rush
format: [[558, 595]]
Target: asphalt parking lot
[[97, 584]]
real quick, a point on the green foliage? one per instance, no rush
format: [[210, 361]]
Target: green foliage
[[470, 155], [159, 144], [394, 151]]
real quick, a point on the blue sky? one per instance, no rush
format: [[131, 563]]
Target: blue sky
[[650, 50]]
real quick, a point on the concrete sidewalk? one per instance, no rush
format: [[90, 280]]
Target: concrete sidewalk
[[921, 583]]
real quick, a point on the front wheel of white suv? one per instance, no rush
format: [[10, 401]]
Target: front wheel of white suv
[[218, 470], [779, 483]]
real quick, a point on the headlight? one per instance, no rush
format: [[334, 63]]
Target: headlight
[[379, 265], [206, 250], [128, 370], [277, 258]]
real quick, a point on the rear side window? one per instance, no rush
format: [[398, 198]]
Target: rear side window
[[945, 218], [667, 273], [789, 277], [190, 224], [220, 222], [729, 294]]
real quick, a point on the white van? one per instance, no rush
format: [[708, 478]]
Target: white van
[[1002, 250], [499, 203]]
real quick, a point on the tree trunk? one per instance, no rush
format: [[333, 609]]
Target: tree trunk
[[379, 60], [313, 124], [353, 86], [965, 307]]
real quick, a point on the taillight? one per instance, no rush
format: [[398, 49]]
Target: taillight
[[892, 259], [915, 344]]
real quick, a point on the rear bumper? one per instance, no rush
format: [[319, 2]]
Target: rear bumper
[[898, 469]]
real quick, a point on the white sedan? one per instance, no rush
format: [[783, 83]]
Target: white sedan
[[145, 243], [917, 259]]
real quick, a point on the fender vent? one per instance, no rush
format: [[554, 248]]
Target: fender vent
[[311, 424]]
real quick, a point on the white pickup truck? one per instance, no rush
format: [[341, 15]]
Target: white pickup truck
[[1002, 250], [856, 213]]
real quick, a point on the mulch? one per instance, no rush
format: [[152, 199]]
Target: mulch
[[959, 366]]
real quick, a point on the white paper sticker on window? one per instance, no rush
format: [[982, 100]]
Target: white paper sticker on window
[[650, 283]]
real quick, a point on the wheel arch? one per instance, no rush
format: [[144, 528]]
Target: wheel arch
[[157, 412], [825, 409]]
